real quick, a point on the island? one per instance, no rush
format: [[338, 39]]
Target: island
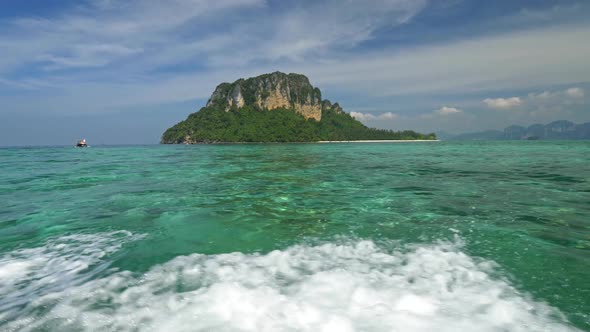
[[275, 107]]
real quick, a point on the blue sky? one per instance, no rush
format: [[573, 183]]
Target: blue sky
[[120, 72]]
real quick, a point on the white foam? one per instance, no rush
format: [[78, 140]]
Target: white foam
[[28, 273], [354, 286]]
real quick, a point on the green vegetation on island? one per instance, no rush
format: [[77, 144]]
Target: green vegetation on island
[[211, 125], [275, 108]]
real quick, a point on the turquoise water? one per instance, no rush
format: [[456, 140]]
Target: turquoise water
[[446, 236]]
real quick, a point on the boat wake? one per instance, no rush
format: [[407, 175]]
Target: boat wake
[[341, 286]]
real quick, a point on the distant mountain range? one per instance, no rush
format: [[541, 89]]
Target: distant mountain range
[[560, 129]]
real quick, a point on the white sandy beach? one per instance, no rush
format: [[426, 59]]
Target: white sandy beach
[[384, 141]]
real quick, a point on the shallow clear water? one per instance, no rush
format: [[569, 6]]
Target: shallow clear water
[[446, 236]]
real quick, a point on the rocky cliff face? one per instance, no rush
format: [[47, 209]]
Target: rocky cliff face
[[272, 91]]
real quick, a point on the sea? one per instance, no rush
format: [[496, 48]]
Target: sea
[[425, 236]]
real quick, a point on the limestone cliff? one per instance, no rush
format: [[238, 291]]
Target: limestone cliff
[[273, 91]]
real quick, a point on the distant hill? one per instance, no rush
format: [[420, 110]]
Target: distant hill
[[560, 129], [275, 107]]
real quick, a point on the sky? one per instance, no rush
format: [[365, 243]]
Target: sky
[[121, 72]]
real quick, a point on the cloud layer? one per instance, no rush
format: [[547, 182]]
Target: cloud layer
[[100, 33], [393, 62]]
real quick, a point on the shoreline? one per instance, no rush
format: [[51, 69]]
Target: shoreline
[[384, 141], [309, 142]]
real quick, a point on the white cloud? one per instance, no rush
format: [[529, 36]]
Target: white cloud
[[540, 107], [543, 96], [388, 116], [368, 116], [539, 100], [445, 110], [114, 29], [362, 116], [336, 24], [503, 103], [91, 55], [575, 92]]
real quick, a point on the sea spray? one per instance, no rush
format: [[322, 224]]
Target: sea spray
[[343, 285]]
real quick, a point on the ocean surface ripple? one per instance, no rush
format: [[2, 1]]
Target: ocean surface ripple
[[445, 236]]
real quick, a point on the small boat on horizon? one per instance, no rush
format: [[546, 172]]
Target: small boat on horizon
[[82, 143]]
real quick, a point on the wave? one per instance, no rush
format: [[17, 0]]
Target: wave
[[348, 285]]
